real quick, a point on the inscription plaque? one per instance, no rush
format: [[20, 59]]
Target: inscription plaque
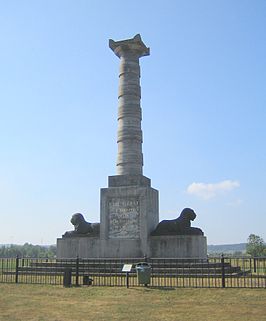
[[127, 268], [124, 218]]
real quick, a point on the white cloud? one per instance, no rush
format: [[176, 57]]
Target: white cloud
[[208, 191]]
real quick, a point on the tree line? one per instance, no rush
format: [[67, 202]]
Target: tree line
[[255, 247], [27, 250]]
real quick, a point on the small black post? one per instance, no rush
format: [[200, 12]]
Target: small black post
[[67, 277], [223, 271], [127, 279], [17, 266], [255, 265], [77, 271]]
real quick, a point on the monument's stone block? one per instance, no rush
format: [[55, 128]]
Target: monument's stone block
[[178, 246], [92, 247], [71, 247], [129, 212], [128, 180]]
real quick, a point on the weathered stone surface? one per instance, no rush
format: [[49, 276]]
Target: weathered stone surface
[[92, 247], [124, 218], [178, 246], [129, 212], [129, 134], [128, 180], [134, 46]]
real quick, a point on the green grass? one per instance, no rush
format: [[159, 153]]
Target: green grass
[[55, 303]]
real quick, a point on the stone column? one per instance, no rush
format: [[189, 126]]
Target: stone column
[[129, 206], [129, 136]]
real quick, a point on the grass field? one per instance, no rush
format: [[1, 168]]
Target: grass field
[[55, 303]]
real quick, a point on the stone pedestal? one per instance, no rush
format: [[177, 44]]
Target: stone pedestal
[[129, 211], [88, 247], [178, 246]]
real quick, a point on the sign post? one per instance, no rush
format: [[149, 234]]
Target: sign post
[[127, 268]]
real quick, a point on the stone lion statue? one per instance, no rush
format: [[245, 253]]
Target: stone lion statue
[[82, 228], [178, 226]]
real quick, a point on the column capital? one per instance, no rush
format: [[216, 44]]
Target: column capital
[[133, 46]]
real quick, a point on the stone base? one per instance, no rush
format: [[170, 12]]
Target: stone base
[[179, 246], [92, 247]]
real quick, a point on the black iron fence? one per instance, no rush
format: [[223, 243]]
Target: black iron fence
[[214, 272]]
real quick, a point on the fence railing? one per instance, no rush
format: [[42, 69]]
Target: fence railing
[[214, 272]]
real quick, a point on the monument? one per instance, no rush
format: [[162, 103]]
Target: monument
[[129, 211]]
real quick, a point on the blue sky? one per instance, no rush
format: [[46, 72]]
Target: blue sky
[[203, 103]]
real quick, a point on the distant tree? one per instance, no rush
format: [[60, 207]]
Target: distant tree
[[256, 246]]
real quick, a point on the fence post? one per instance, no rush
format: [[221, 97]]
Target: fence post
[[223, 271], [17, 266], [255, 265], [77, 271]]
